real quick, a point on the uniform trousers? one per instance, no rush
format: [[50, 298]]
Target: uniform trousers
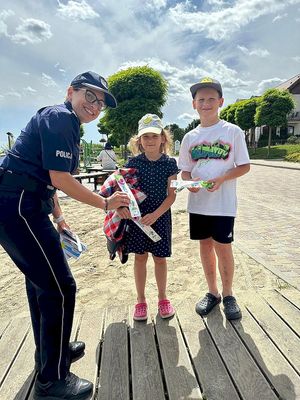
[[32, 242]]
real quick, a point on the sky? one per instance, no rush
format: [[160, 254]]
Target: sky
[[248, 45]]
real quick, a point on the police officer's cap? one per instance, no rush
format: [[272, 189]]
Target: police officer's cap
[[94, 81]]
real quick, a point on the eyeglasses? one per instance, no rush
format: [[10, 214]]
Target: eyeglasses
[[93, 99]]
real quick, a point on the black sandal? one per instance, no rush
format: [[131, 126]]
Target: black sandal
[[205, 305], [231, 308]]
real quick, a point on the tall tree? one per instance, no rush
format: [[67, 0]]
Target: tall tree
[[138, 90], [244, 116], [192, 125], [273, 109], [81, 131], [176, 132], [228, 113]]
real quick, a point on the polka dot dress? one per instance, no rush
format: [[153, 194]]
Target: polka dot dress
[[153, 181]]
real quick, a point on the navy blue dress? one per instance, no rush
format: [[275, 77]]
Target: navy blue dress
[[153, 181]]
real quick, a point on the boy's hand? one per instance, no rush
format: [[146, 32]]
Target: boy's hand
[[216, 182], [123, 212], [194, 189]]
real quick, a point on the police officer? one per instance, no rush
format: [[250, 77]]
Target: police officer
[[41, 161]]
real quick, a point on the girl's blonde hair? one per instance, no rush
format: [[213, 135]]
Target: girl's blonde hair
[[136, 147]]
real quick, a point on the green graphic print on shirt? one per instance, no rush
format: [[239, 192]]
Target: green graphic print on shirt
[[215, 150]]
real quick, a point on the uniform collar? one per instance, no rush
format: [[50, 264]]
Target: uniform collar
[[68, 105]]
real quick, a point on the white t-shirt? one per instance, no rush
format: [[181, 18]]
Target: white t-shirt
[[208, 153], [108, 159]]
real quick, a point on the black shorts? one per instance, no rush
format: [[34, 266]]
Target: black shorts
[[219, 228]]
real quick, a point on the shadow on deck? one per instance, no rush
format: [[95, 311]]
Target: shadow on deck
[[186, 357]]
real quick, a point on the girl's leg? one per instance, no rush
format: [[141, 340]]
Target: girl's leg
[[140, 275], [226, 266], [208, 259], [161, 276]]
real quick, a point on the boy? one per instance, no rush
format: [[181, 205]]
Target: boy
[[215, 151]]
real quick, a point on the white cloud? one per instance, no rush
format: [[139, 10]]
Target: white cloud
[[3, 27], [180, 79], [187, 117], [269, 83], [279, 17], [157, 3], [13, 93], [297, 59], [254, 52], [29, 90], [48, 81], [31, 31], [76, 10], [221, 24]]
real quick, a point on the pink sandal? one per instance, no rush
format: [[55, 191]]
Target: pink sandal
[[165, 308], [140, 312]]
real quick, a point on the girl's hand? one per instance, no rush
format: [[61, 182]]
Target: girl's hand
[[62, 225], [149, 219], [123, 212]]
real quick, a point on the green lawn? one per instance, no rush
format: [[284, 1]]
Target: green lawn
[[287, 152]]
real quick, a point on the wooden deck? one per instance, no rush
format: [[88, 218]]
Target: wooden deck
[[186, 357]]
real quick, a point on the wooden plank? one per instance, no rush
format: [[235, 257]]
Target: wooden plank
[[90, 331], [21, 375], [247, 377], [214, 378], [178, 371], [3, 326], [11, 342], [76, 319], [292, 295], [287, 311], [279, 372], [285, 339], [114, 365], [147, 381]]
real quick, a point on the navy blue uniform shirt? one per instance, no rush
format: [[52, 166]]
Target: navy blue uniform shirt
[[50, 141]]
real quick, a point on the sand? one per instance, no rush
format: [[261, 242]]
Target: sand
[[102, 283]]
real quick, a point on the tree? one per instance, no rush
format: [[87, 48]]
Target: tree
[[273, 109], [244, 115], [228, 113], [176, 131], [138, 90], [81, 131], [192, 125]]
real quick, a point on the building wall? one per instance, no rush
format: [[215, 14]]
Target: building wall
[[295, 121]]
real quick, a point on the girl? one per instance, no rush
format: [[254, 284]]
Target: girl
[[155, 170]]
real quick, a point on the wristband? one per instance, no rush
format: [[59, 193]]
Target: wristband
[[106, 205], [58, 219]]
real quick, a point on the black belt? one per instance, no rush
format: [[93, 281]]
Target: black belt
[[25, 182]]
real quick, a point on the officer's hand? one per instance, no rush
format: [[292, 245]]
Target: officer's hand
[[123, 212], [118, 199], [62, 225]]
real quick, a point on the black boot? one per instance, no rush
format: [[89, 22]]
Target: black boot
[[71, 387], [76, 352]]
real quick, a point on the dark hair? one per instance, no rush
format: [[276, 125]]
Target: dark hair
[[107, 146]]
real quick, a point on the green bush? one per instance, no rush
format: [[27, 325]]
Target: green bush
[[286, 152], [293, 140], [295, 157]]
